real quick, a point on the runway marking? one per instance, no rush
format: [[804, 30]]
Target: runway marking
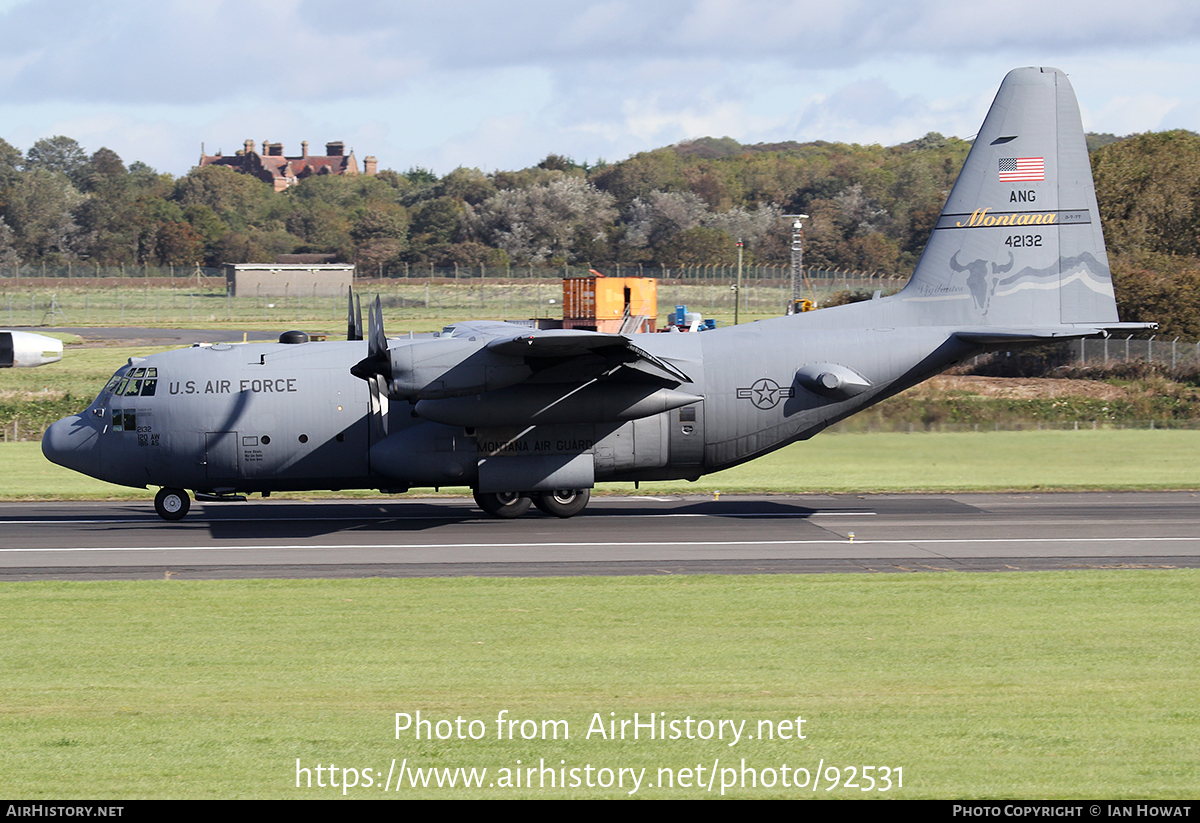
[[915, 542], [348, 519]]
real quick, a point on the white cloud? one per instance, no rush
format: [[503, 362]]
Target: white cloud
[[503, 84]]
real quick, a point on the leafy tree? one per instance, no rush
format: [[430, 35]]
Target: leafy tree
[[10, 164], [177, 244], [421, 176], [8, 252], [57, 154], [1148, 187], [699, 245], [237, 199], [655, 171], [40, 212], [469, 185], [104, 169], [539, 224], [556, 162], [710, 148], [436, 222], [380, 236], [1159, 288], [654, 221]]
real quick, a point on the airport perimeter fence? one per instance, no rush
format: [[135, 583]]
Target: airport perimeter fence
[[1174, 353], [867, 425], [88, 295]]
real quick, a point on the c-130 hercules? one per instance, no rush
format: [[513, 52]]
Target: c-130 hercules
[[525, 416]]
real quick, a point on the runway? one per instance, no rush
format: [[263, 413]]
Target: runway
[[394, 537]]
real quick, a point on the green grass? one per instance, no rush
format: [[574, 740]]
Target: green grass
[[414, 304], [879, 462], [1038, 685]]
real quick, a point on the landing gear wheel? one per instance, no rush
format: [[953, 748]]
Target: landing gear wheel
[[172, 504], [563, 502], [503, 504]]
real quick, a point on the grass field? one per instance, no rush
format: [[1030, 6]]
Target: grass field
[[1039, 685], [1030, 685], [879, 462], [417, 303]]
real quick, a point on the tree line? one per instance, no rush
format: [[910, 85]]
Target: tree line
[[871, 209]]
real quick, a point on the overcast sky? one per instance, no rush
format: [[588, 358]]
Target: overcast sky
[[499, 85]]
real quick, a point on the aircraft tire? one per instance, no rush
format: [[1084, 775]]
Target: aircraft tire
[[506, 505], [563, 502], [172, 504]]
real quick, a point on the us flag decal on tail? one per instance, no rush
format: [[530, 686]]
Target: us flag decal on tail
[[1022, 169]]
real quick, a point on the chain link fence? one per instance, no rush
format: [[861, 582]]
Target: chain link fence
[[1171, 352], [88, 295]]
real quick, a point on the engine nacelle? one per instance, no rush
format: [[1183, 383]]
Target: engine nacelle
[[440, 368], [24, 349]]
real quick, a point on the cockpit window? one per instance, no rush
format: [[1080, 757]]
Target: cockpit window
[[142, 381]]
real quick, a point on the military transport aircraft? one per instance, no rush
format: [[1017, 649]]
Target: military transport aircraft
[[526, 416], [26, 349]]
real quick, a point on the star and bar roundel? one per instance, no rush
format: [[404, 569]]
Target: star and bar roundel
[[765, 393]]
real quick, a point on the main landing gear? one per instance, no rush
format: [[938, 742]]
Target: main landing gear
[[559, 503], [563, 502], [172, 504]]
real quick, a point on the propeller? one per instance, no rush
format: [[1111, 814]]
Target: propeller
[[377, 363], [354, 326]]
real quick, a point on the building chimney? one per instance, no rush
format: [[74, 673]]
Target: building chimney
[[335, 149], [370, 164], [248, 147], [304, 149]]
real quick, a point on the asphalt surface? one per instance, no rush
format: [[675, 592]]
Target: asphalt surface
[[158, 337], [394, 537]]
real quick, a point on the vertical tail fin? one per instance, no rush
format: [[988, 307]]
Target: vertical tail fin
[[1019, 242]]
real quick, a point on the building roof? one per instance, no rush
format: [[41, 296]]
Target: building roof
[[272, 166]]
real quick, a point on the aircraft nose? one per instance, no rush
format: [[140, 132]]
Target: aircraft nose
[[73, 442]]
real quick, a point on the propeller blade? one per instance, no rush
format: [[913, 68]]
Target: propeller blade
[[354, 324]]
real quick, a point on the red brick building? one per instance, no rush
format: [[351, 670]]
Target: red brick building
[[271, 166]]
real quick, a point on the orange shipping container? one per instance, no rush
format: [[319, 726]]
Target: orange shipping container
[[610, 304]]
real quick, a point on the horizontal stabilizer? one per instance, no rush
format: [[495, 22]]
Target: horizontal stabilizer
[[1002, 336]]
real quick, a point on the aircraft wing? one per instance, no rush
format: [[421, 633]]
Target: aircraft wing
[[569, 343]]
